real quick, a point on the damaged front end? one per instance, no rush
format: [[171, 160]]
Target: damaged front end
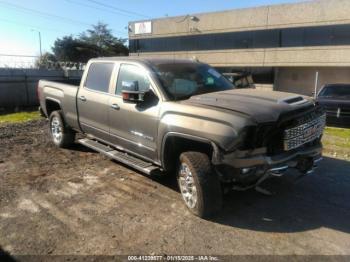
[[270, 149]]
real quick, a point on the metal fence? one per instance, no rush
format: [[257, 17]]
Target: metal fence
[[30, 62], [17, 61], [18, 86]]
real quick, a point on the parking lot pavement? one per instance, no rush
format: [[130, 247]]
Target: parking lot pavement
[[76, 201]]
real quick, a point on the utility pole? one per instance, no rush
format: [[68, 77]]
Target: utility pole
[[33, 30]]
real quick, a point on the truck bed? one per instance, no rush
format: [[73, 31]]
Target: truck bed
[[62, 93]]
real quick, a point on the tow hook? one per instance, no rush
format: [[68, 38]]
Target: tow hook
[[310, 170], [315, 165], [276, 171], [279, 171], [305, 167]]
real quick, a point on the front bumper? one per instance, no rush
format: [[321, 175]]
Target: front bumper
[[247, 169], [258, 157]]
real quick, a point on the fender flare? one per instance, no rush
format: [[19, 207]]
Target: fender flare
[[216, 151], [52, 100]]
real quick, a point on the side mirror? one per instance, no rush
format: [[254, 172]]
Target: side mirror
[[131, 93]]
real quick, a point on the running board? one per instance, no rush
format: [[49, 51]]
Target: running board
[[120, 156]]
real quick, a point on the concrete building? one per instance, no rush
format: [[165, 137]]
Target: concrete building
[[283, 45]]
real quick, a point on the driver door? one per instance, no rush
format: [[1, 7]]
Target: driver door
[[134, 126]]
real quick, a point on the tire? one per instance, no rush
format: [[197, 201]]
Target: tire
[[61, 134], [195, 169]]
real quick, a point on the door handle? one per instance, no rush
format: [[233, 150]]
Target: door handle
[[82, 98], [115, 106]]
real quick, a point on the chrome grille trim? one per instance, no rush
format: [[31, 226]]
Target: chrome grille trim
[[302, 134]]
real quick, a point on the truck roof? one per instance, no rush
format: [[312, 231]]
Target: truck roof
[[150, 60]]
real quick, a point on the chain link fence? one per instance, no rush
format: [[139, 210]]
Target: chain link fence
[[31, 62], [17, 61], [19, 76]]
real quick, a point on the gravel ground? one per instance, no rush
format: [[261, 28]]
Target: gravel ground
[[55, 201]]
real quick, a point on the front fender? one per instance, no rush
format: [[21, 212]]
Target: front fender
[[194, 127], [216, 152]]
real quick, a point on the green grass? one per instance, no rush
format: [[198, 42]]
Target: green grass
[[338, 132], [340, 144], [336, 142], [19, 117]]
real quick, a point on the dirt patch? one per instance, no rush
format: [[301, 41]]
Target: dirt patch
[[76, 201]]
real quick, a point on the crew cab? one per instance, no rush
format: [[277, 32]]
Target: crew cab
[[182, 117]]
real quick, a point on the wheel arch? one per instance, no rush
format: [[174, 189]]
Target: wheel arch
[[173, 144], [52, 105]]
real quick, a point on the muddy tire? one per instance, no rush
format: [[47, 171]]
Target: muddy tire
[[199, 185], [61, 134]]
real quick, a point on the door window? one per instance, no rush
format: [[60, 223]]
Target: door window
[[99, 76], [128, 73]]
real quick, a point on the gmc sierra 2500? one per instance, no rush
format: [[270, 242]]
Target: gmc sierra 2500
[[183, 117]]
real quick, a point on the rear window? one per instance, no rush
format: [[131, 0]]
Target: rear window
[[335, 91], [99, 76]]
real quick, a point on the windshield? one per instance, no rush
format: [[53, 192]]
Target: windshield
[[335, 91], [183, 80]]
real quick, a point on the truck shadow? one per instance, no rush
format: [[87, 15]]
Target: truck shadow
[[5, 256], [318, 200], [80, 148]]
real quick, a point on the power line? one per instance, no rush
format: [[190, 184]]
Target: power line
[[49, 16], [98, 8], [31, 26], [44, 14], [118, 9], [29, 56], [105, 10]]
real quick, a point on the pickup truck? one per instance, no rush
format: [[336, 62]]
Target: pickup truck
[[335, 99], [182, 117]]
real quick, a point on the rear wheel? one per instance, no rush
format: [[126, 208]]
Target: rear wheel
[[199, 185], [61, 135]]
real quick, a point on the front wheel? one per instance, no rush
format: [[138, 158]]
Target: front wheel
[[199, 185], [62, 136]]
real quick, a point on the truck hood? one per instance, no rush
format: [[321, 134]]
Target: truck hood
[[262, 106]]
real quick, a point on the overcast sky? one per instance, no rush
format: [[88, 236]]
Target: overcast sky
[[56, 18]]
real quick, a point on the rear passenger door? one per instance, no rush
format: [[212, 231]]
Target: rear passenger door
[[92, 100]]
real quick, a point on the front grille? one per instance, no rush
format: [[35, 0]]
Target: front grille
[[271, 135], [297, 136]]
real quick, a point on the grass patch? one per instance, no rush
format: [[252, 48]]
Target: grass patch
[[19, 117], [336, 142], [338, 132]]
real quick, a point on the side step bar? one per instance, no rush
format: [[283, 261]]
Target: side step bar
[[122, 157]]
